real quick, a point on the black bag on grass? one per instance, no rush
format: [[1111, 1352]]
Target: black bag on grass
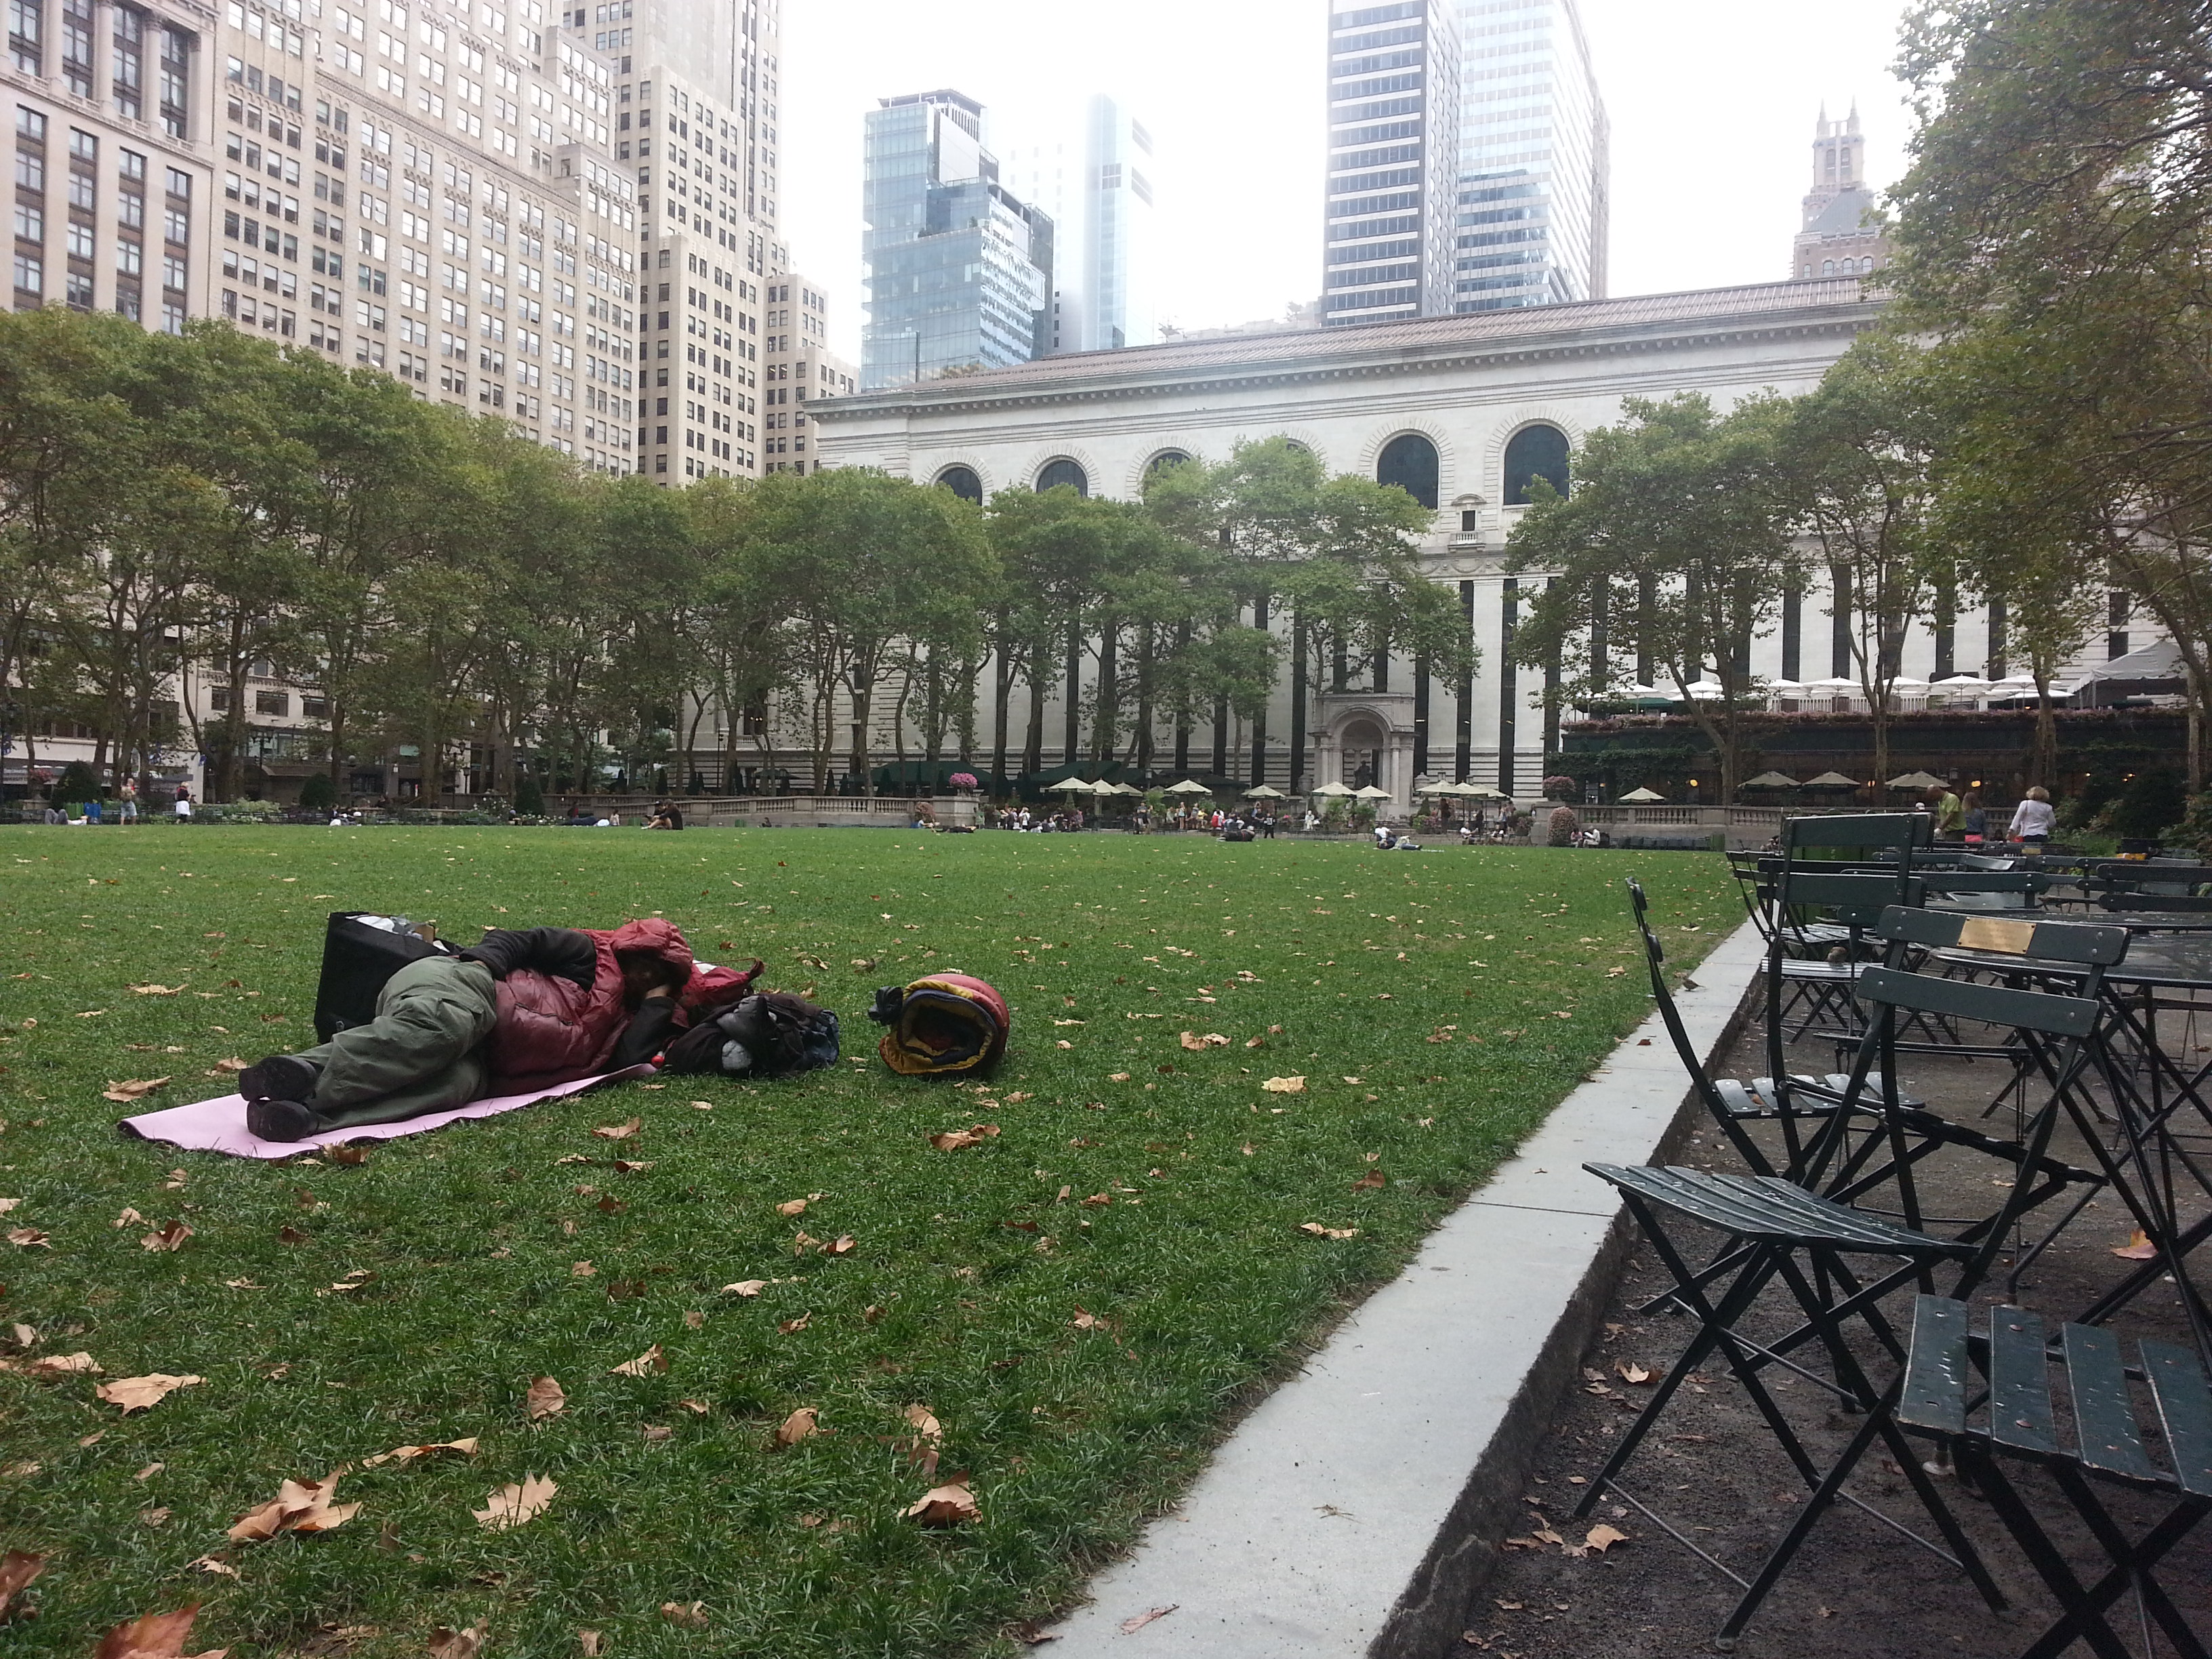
[[359, 953]]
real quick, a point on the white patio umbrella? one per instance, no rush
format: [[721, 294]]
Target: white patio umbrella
[[1189, 787], [1370, 793], [1784, 688], [1906, 682], [1071, 787], [1127, 789], [1264, 792], [1963, 683], [1333, 790], [1641, 798], [1484, 792]]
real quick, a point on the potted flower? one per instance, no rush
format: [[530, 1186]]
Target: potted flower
[[965, 782]]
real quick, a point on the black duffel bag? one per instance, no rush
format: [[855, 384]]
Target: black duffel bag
[[361, 951]]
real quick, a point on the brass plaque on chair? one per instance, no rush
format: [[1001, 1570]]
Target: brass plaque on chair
[[1986, 933]]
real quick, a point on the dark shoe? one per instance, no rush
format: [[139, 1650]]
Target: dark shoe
[[280, 1120], [279, 1076]]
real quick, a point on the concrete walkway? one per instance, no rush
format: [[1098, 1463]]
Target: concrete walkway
[[1359, 1508]]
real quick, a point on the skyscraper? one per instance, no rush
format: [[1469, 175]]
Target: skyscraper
[[1838, 236], [1532, 204], [1394, 93], [1096, 186], [959, 269]]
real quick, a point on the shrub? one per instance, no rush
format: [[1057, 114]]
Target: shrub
[[78, 782], [1565, 824], [319, 793], [529, 797], [1562, 788], [2153, 803]]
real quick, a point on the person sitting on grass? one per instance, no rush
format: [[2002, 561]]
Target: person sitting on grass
[[519, 1010]]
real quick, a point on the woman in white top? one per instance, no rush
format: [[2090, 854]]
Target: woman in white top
[[2033, 819]]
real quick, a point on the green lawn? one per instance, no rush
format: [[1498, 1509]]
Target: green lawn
[[961, 1292]]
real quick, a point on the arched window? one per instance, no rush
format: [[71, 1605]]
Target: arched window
[[1161, 462], [1827, 267], [1809, 267], [1409, 461], [1535, 451], [963, 481], [1063, 472]]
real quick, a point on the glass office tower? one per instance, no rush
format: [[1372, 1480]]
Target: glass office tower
[[959, 270], [1393, 85], [1531, 213]]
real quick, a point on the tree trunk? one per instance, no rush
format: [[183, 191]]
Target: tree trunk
[[1002, 696], [1033, 737], [1103, 720], [860, 760], [1072, 750], [1298, 690], [1259, 715], [1145, 656]]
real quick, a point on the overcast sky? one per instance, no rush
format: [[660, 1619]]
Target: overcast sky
[[1712, 104]]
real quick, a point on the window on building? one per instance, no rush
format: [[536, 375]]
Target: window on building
[[1535, 451], [1064, 472], [1409, 461], [272, 702], [1161, 462], [963, 481]]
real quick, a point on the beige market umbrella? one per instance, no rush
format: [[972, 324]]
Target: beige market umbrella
[[1187, 786], [1917, 780], [1770, 780], [1334, 791], [1370, 793], [1072, 786], [1264, 792], [1641, 798]]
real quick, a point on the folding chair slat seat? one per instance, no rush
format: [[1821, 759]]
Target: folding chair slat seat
[[1940, 1398], [1782, 1235]]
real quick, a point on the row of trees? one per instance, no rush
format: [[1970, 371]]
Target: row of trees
[[179, 509], [2032, 430]]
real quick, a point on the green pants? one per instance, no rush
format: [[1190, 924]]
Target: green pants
[[422, 1052]]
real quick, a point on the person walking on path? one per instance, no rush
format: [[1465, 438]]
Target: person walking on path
[[2032, 819], [184, 807], [519, 1010], [129, 791]]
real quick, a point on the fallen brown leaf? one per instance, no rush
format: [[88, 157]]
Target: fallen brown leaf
[[1030, 1633], [1085, 1321], [746, 1287], [791, 1325], [1131, 1627], [512, 1505], [1320, 1231], [690, 1616], [156, 990], [128, 1219], [17, 1569], [699, 1406], [149, 1471], [1602, 1538], [619, 1131], [136, 1394], [123, 1093], [155, 1635], [231, 1065], [791, 1206], [213, 1563], [348, 1155], [63, 1364], [1284, 1086], [466, 1448], [153, 1517], [589, 1641], [1630, 1371], [797, 1426], [171, 1237], [544, 1399], [951, 1140], [841, 1245], [948, 1505], [1370, 1181], [299, 1506], [646, 1364], [447, 1644]]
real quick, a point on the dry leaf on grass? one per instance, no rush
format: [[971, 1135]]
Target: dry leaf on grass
[[299, 1506], [1320, 1231], [792, 1326], [951, 1140], [545, 1398], [1131, 1627], [690, 1615], [63, 1364], [448, 1643], [466, 1448], [512, 1505], [232, 1064], [129, 1218], [156, 990], [8, 1204], [126, 1093], [1367, 1183], [844, 1245], [589, 1641], [1602, 1538], [213, 1564], [156, 1636], [171, 1237], [646, 1364], [1284, 1086], [619, 1131], [17, 1569], [948, 1505], [700, 1406], [1198, 1045], [746, 1287], [1086, 1320], [136, 1394], [791, 1206], [797, 1426], [153, 1517], [2138, 1249]]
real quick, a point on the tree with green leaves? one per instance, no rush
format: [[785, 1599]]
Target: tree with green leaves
[[1674, 544]]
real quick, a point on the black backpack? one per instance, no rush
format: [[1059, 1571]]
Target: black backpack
[[770, 1034], [361, 951]]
